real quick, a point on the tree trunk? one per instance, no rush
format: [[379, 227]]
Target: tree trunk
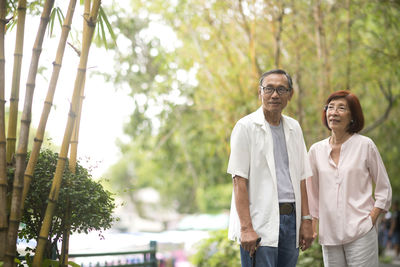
[[298, 71], [3, 163], [13, 116], [323, 57], [15, 213], [277, 35], [250, 30], [88, 31], [349, 45]]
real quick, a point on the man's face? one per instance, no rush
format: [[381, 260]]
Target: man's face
[[274, 102]]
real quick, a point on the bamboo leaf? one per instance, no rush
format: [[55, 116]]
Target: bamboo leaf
[[60, 16], [102, 33], [52, 18], [104, 18], [73, 264]]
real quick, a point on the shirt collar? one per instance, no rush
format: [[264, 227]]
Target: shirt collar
[[259, 119]]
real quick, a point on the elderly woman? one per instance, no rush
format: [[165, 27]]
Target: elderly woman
[[342, 198]]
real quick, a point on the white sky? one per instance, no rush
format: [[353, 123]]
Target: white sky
[[104, 109]]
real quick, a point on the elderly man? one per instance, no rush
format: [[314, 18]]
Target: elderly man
[[269, 164]]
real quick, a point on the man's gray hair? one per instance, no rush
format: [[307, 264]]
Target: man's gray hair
[[278, 71]]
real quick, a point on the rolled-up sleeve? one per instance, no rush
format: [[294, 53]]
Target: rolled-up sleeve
[[377, 170], [239, 159]]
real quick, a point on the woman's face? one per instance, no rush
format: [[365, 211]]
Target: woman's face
[[338, 115]]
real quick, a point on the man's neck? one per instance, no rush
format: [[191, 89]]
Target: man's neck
[[273, 118]]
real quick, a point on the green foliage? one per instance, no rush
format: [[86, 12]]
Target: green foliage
[[187, 98], [217, 251], [311, 257], [92, 206], [103, 23], [56, 12]]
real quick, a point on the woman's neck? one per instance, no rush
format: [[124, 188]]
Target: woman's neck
[[339, 137]]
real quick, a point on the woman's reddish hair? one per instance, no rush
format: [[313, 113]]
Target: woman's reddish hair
[[357, 116]]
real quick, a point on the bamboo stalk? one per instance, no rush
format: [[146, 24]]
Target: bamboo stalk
[[48, 101], [14, 98], [88, 32], [72, 163], [3, 163], [15, 212], [72, 167]]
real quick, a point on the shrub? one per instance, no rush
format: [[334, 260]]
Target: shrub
[[91, 205]]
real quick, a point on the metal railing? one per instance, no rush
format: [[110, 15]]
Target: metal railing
[[145, 258]]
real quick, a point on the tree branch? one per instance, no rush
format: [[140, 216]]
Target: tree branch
[[391, 99]]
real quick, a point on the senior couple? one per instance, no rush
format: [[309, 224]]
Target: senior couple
[[283, 196]]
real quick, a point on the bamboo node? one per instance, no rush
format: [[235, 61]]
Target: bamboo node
[[14, 99], [3, 101], [38, 140], [43, 237], [82, 69], [48, 103], [3, 185], [30, 176], [90, 21], [55, 64], [51, 200], [66, 26], [3, 142], [63, 158], [11, 138], [30, 84], [2, 60], [72, 114], [18, 187], [73, 142], [26, 121]]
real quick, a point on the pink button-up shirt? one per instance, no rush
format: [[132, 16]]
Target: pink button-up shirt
[[340, 196]]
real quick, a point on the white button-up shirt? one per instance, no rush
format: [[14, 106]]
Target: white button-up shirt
[[341, 195], [252, 157]]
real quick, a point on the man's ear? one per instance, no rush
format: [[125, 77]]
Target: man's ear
[[291, 94]]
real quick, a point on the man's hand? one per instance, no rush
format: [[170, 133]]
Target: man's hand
[[248, 240], [306, 234]]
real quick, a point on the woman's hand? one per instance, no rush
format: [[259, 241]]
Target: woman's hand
[[375, 212]]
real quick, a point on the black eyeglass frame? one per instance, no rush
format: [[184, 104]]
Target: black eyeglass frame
[[269, 90]]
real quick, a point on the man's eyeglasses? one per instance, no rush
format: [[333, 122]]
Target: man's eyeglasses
[[269, 90]]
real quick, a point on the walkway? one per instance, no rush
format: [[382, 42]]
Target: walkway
[[394, 263]]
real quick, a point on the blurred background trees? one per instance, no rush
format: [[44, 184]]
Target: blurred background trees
[[192, 67]]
